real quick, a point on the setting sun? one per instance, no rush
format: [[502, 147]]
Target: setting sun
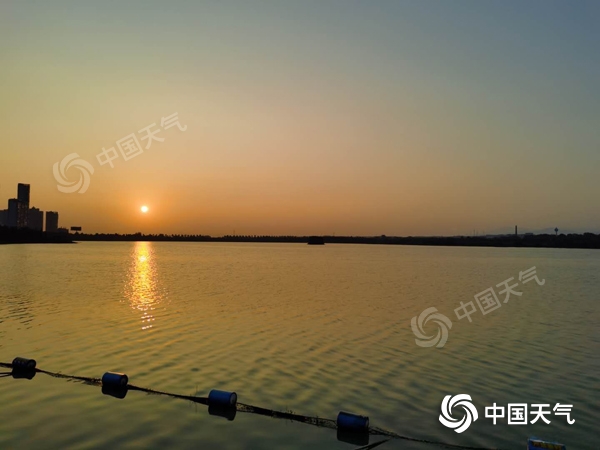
[[144, 209]]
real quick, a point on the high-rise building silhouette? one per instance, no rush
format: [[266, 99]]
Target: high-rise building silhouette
[[23, 191], [22, 214], [21, 205], [13, 212], [51, 221], [35, 221]]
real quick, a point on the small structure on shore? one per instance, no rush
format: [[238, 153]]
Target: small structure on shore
[[316, 240]]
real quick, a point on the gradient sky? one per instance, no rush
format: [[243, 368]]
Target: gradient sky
[[308, 117]]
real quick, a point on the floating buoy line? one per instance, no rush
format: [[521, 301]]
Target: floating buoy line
[[351, 428]]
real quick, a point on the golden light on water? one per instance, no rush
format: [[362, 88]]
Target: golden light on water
[[141, 288]]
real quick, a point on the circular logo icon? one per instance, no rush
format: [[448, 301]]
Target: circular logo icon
[[464, 401], [85, 171], [443, 323]]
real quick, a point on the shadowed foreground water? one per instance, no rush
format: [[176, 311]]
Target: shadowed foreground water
[[312, 330]]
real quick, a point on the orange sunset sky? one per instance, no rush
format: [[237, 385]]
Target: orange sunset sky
[[355, 118]]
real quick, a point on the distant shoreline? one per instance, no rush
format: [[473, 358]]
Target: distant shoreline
[[582, 241], [27, 236]]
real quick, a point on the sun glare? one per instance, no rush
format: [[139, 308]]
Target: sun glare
[[144, 209]]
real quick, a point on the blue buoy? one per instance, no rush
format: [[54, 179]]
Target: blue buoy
[[352, 422], [114, 380], [222, 398], [23, 363]]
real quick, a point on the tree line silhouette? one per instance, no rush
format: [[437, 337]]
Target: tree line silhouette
[[585, 240]]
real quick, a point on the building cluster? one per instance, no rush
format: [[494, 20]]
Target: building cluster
[[20, 215]]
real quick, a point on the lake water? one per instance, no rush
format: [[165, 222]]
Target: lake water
[[293, 327]]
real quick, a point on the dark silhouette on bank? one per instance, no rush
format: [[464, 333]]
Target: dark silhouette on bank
[[19, 215], [10, 235], [316, 240], [586, 240]]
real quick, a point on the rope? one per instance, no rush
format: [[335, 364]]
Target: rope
[[251, 409]]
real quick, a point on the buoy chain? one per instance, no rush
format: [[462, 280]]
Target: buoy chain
[[223, 403]]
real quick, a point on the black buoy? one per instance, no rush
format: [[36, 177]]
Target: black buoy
[[23, 368], [23, 363]]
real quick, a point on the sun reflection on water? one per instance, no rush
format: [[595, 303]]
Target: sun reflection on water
[[142, 286]]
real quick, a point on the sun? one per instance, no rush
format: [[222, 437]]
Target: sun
[[144, 209]]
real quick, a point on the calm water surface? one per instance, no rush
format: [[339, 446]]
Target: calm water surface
[[291, 327]]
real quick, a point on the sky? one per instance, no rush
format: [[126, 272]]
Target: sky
[[314, 117]]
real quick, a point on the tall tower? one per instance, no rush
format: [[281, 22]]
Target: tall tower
[[35, 219], [23, 204], [13, 212], [51, 221], [23, 191]]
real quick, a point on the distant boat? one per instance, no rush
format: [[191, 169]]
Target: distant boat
[[316, 240]]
